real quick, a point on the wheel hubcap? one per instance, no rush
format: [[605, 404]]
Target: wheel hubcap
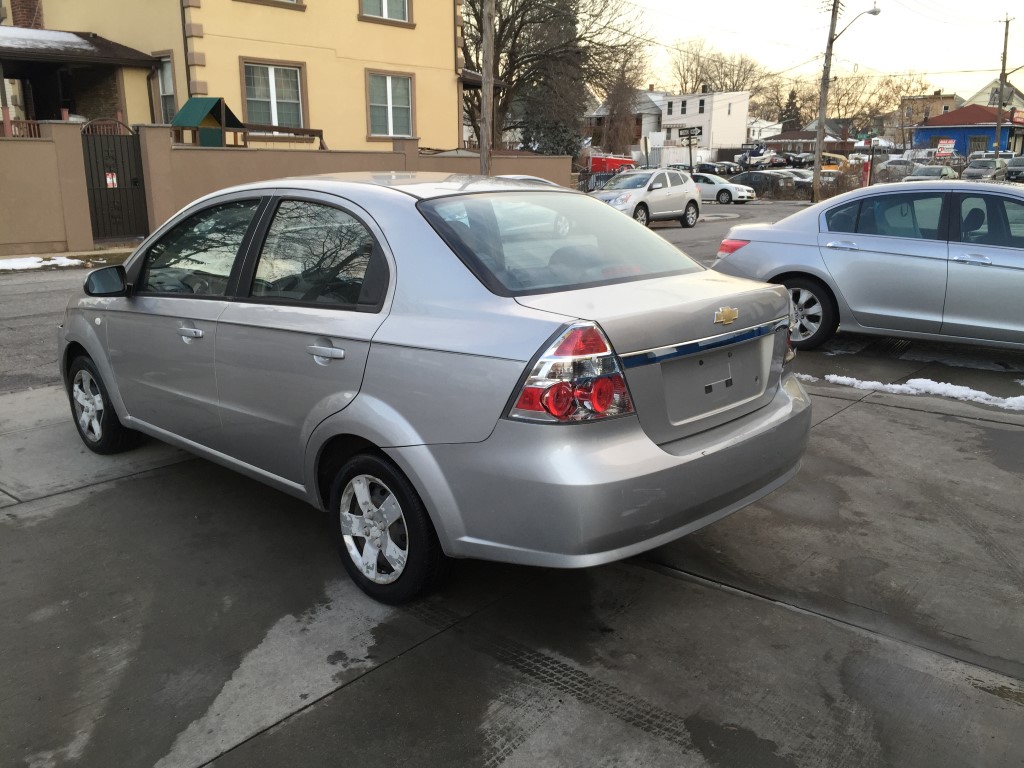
[[85, 393], [691, 215], [807, 310], [640, 215], [374, 529]]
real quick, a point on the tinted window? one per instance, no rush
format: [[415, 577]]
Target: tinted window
[[196, 256], [317, 254], [520, 242], [905, 215], [660, 179], [992, 220], [843, 218], [678, 179]]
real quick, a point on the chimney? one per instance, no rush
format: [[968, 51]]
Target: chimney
[[27, 13], [937, 93], [650, 86]]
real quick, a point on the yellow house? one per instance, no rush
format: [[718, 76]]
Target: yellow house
[[362, 71]]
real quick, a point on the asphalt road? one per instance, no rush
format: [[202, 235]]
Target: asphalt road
[[159, 610]]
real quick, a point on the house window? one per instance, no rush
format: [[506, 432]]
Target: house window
[[394, 10], [670, 107], [273, 95], [945, 108], [390, 105], [700, 107], [682, 107], [166, 77], [668, 131]]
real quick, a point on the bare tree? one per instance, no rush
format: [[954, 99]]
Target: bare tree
[[593, 36], [622, 95]]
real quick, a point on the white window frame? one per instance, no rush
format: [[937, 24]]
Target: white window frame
[[384, 11], [390, 105], [273, 91], [160, 87]]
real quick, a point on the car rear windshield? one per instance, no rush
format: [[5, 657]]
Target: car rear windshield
[[520, 243]]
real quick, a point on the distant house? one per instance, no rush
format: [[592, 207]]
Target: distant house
[[987, 96], [973, 128], [646, 117], [720, 118], [758, 129]]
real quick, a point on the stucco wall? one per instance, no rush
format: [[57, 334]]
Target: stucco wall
[[177, 175], [31, 219], [44, 206]]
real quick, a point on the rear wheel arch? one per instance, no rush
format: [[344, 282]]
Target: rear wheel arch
[[333, 456]]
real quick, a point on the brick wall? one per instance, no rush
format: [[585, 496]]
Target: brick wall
[[27, 13]]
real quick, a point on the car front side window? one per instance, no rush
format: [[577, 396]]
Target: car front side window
[[318, 254], [196, 256], [916, 216], [992, 220], [659, 179]]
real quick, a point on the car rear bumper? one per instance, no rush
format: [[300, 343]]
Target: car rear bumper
[[574, 496]]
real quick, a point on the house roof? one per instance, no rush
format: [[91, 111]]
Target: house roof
[[986, 95], [972, 114], [20, 44], [642, 105]]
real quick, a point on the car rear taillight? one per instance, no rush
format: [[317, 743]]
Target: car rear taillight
[[730, 246], [577, 378]]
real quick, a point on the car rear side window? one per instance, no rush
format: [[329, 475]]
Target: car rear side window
[[196, 256], [917, 216], [521, 243], [318, 254], [992, 220], [842, 218]]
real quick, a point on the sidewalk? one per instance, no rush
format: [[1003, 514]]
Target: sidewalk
[[99, 257]]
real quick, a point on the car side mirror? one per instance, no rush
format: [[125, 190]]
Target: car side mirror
[[107, 281], [656, 185]]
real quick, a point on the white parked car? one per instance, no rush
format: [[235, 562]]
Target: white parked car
[[714, 187]]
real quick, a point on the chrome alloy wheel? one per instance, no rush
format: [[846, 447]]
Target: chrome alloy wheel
[[88, 403], [374, 529], [808, 314]]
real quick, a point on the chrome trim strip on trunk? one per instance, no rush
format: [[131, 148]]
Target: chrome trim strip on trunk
[[660, 354]]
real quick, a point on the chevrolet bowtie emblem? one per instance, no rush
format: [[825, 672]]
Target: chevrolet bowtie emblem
[[726, 315]]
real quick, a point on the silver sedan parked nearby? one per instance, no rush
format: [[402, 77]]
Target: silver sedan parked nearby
[[934, 260], [443, 368]]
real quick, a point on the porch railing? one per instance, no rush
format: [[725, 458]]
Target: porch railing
[[20, 129]]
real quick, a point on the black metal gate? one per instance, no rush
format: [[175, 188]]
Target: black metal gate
[[113, 176]]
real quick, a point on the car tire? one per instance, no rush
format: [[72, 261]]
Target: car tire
[[94, 414], [690, 215], [724, 197], [816, 317], [641, 215], [372, 504]]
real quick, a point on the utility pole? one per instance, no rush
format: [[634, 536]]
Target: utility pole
[[487, 88], [1002, 85], [819, 144]]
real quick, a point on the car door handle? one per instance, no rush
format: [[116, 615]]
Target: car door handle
[[976, 259], [187, 334], [329, 353], [842, 245]]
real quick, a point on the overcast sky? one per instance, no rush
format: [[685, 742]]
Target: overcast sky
[[943, 40]]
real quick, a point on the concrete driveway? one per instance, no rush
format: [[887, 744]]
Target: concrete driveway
[[159, 610]]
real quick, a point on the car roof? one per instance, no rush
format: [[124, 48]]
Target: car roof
[[420, 185]]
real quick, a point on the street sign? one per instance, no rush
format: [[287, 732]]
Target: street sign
[[696, 131]]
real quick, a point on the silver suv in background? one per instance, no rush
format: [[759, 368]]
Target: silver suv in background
[[658, 195]]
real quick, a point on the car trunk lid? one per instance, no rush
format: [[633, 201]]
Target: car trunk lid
[[697, 350]]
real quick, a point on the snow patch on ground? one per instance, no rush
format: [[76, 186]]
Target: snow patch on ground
[[929, 387], [35, 262], [1019, 381], [806, 377]]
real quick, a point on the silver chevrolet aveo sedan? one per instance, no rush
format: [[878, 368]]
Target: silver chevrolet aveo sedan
[[450, 366]]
